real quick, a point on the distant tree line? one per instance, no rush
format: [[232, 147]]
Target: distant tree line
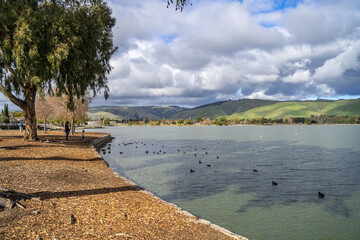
[[323, 119], [223, 121]]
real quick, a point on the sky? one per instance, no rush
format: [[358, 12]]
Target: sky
[[226, 49]]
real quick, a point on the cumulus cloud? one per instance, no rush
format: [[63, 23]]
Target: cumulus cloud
[[334, 68], [217, 50]]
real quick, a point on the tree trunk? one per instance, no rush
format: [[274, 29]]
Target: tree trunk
[[44, 125], [30, 115], [72, 125]]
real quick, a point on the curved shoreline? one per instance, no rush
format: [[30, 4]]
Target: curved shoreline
[[103, 140]]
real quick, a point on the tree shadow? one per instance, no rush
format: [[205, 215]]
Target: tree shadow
[[49, 159], [88, 192], [54, 138]]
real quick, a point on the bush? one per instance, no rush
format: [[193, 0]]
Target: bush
[[189, 122], [106, 122], [221, 121]]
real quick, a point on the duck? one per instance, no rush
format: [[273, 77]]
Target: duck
[[321, 195], [208, 165], [147, 152], [255, 170], [192, 170], [199, 161], [274, 183]]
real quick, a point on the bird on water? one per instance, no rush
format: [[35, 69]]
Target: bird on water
[[274, 183], [321, 195]]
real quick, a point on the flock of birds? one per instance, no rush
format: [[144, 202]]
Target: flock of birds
[[320, 194]]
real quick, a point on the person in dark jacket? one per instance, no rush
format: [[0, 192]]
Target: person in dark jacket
[[67, 131]]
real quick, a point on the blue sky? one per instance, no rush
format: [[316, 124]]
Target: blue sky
[[224, 49]]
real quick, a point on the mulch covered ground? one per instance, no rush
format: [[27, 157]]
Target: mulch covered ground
[[80, 197]]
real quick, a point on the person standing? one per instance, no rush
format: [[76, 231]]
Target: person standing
[[21, 127], [67, 131], [83, 135]]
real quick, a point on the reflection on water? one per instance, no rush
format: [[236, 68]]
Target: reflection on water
[[224, 188]]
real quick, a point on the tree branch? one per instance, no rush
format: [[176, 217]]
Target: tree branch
[[12, 97], [13, 73]]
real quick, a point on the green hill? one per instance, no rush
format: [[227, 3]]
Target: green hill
[[222, 108], [302, 109], [102, 115], [233, 109], [136, 113], [349, 108]]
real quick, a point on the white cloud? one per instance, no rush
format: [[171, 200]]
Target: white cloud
[[217, 50], [335, 67], [298, 77]]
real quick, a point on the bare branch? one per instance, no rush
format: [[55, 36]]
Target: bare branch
[[12, 97]]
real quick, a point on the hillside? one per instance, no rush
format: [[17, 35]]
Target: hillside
[[223, 108], [349, 108], [233, 109], [102, 115], [136, 113], [302, 109]]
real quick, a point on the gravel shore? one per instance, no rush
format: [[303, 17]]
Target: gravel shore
[[76, 196]]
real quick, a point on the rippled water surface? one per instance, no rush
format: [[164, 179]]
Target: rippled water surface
[[225, 189]]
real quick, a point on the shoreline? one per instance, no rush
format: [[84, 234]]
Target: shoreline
[[98, 143], [235, 125], [72, 179]]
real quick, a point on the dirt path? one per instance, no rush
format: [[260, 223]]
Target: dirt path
[[81, 198]]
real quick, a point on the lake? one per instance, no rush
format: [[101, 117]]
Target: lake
[[232, 172]]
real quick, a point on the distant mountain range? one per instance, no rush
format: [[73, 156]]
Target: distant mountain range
[[233, 109], [136, 113]]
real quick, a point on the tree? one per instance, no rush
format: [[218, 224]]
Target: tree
[[45, 108], [199, 119], [53, 42], [180, 121], [179, 4], [78, 112], [4, 117], [106, 122]]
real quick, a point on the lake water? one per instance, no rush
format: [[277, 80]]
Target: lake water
[[303, 160]]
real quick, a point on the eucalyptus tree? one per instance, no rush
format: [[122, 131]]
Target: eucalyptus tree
[[179, 4], [46, 43]]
